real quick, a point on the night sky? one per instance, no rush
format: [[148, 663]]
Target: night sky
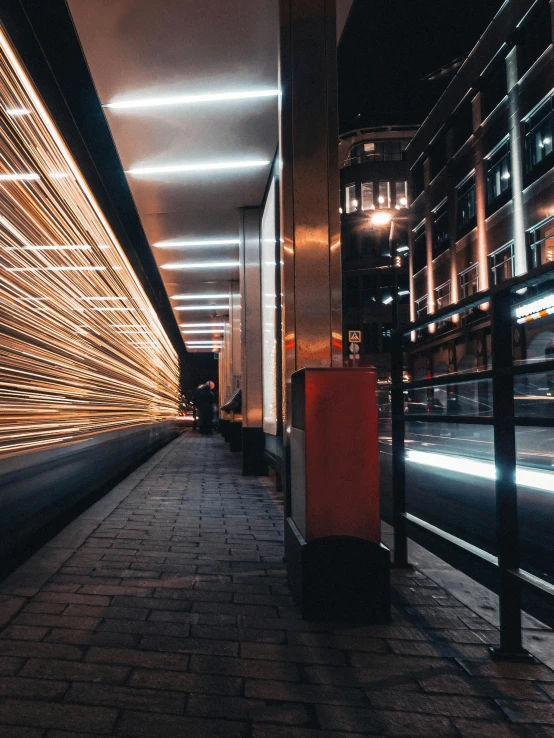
[[388, 47]]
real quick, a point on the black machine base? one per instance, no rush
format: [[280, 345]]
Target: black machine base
[[340, 578], [235, 435], [254, 462], [497, 653], [224, 428]]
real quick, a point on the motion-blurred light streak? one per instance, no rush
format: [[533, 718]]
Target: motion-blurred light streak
[[67, 369]]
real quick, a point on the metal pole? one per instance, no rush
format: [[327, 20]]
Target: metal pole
[[398, 453], [507, 529]]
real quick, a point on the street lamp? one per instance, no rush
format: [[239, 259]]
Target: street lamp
[[383, 218]]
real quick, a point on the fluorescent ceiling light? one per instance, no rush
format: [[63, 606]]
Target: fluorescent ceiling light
[[202, 307], [387, 300], [197, 242], [59, 175], [200, 167], [198, 332], [157, 102], [17, 111], [57, 269], [200, 264], [200, 297], [202, 325], [16, 177]]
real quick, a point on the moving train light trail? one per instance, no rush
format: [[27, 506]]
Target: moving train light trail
[[525, 476], [69, 365]]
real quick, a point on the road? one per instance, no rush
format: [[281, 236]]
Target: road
[[450, 483]]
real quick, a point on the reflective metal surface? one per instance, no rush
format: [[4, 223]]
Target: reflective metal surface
[[309, 188], [250, 290]]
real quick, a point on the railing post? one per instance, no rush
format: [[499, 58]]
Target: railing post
[[398, 452], [507, 529]]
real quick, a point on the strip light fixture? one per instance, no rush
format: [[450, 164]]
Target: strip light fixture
[[200, 264], [197, 243], [202, 325], [223, 296], [169, 100], [64, 377], [200, 167], [534, 310], [202, 307]]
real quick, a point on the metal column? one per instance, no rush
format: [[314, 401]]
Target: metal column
[[310, 227], [506, 486], [253, 462]]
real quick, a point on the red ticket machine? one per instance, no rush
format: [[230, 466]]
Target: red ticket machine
[[336, 564]]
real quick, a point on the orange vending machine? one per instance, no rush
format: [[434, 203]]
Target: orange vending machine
[[336, 564]]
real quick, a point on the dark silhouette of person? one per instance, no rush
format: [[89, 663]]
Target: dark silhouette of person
[[204, 401]]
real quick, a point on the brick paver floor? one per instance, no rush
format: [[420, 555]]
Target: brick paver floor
[[164, 611]]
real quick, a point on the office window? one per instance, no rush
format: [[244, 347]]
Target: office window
[[418, 179], [462, 124], [386, 336], [421, 307], [535, 35], [498, 173], [501, 264], [441, 239], [442, 295], [495, 87], [541, 244], [469, 281], [438, 155], [367, 196], [466, 204], [539, 131], [401, 194], [420, 248], [384, 195], [390, 150], [350, 198], [369, 289]]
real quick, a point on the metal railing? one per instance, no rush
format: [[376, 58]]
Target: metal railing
[[506, 564]]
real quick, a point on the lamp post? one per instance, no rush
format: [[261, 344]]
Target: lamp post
[[384, 218]]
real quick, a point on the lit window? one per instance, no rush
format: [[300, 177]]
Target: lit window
[[466, 204], [350, 198], [442, 295], [401, 194], [498, 173], [384, 195], [539, 134], [421, 307], [420, 248], [367, 196], [441, 238], [469, 281], [541, 244], [501, 264]]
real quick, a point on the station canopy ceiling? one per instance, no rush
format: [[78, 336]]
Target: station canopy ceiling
[[195, 122]]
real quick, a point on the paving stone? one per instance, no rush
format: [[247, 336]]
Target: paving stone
[[52, 715], [150, 700], [142, 725], [186, 682], [75, 671], [310, 693], [451, 705], [384, 722], [523, 711]]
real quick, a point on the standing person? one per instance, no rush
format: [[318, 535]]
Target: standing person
[[204, 402]]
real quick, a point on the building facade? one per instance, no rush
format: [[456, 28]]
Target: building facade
[[482, 167], [374, 233]]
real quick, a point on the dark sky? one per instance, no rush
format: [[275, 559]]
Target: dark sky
[[389, 45]]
